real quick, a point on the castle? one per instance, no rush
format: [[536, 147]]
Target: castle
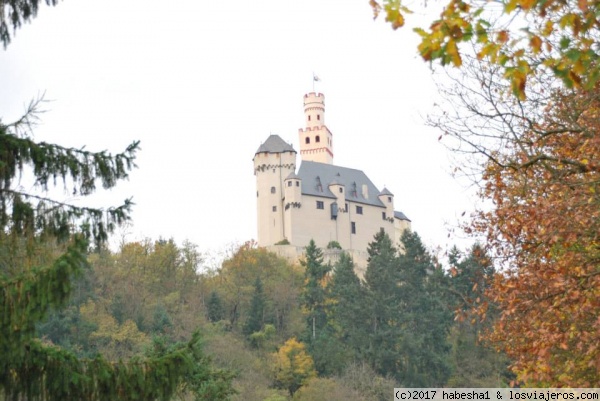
[[321, 201]]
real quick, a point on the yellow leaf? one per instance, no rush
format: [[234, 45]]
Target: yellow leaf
[[510, 6], [548, 28], [452, 51], [398, 22]]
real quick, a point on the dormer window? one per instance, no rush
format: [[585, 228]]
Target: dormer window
[[319, 185]]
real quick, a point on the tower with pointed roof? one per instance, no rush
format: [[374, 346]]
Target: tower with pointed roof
[[319, 200], [273, 162]]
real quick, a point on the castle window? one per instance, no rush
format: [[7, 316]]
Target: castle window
[[390, 199], [297, 183], [317, 138], [272, 190], [307, 140], [274, 208], [257, 194], [320, 205], [341, 190], [308, 118], [353, 227], [289, 183], [318, 117], [383, 215], [359, 210]]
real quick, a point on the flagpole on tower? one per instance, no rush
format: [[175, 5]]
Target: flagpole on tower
[[315, 79]]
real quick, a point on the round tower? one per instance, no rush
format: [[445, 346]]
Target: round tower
[[314, 109], [273, 162], [316, 141], [387, 198]]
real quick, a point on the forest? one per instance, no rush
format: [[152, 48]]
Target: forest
[[271, 330], [148, 320]]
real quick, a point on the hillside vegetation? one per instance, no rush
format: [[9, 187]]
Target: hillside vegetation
[[304, 332]]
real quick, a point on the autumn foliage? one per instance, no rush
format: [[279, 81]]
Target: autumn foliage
[[293, 366], [545, 229], [520, 36]]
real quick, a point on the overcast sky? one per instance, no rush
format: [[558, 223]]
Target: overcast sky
[[202, 83]]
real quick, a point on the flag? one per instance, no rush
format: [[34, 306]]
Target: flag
[[316, 78]]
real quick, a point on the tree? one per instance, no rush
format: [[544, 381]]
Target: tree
[[281, 285], [214, 308], [30, 368], [383, 303], [347, 312], [427, 315], [559, 37], [255, 320], [544, 226], [314, 293], [293, 367], [475, 363], [536, 160], [15, 13]]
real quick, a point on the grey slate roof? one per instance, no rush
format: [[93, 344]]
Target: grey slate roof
[[386, 191], [316, 178], [291, 176], [400, 215], [274, 144]]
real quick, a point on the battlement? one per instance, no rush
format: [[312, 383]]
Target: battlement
[[314, 95], [319, 128]]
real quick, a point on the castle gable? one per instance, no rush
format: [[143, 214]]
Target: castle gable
[[316, 178]]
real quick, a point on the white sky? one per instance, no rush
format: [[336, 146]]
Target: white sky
[[202, 83]]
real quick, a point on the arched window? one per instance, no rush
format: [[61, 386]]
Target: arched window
[[308, 118], [307, 140], [317, 138]]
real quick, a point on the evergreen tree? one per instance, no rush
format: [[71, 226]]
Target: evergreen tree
[[339, 342], [474, 363], [30, 369], [427, 314], [314, 294], [383, 304], [347, 306], [215, 309], [255, 320], [15, 13]]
